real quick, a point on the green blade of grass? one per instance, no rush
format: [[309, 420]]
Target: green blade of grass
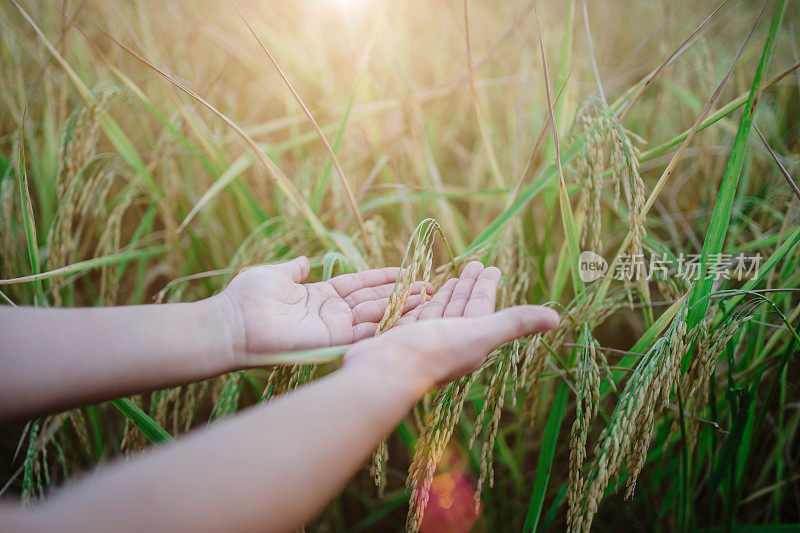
[[562, 74], [769, 264], [328, 354], [546, 454], [27, 215], [567, 218], [89, 264], [720, 218], [476, 105], [733, 441], [337, 141], [228, 399], [149, 427]]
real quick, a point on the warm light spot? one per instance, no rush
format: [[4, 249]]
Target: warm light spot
[[444, 483], [446, 500]]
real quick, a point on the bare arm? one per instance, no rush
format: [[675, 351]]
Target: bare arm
[[275, 466], [55, 359]]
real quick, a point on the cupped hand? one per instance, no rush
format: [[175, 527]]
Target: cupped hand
[[451, 334], [273, 311]]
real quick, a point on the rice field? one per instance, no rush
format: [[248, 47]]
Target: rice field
[[631, 164]]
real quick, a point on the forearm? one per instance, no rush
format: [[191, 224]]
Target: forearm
[[272, 468], [54, 359]]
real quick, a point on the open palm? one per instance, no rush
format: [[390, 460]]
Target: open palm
[[277, 312], [452, 333]]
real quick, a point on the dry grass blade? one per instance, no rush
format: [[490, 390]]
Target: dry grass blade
[[591, 52], [539, 138], [566, 210], [26, 205], [783, 170], [345, 184], [667, 61]]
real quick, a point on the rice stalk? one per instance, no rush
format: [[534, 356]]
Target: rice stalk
[[431, 443], [78, 422], [36, 469], [227, 391], [420, 245], [505, 361], [590, 363], [627, 437], [601, 127], [694, 383]]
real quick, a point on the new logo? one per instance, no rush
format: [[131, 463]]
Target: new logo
[[591, 266]]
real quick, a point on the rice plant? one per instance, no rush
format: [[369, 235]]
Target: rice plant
[[149, 151]]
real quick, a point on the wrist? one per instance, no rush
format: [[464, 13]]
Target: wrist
[[224, 319], [398, 371]]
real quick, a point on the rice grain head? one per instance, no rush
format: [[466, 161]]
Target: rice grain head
[[504, 361], [440, 423], [627, 437], [586, 404], [601, 129], [420, 247]]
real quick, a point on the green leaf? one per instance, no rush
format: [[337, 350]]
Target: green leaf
[[89, 264], [546, 455], [149, 427], [720, 219], [27, 216]]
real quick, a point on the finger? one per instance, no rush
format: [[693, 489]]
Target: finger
[[297, 268], [435, 308], [458, 302], [373, 310], [482, 300], [515, 322], [411, 316], [384, 291], [346, 284], [364, 330]]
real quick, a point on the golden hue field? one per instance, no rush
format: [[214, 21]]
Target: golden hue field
[[150, 150]]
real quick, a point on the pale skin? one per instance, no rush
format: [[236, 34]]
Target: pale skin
[[272, 467]]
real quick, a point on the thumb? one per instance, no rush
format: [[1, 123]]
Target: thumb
[[297, 268], [515, 322]]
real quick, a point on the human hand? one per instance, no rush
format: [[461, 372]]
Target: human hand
[[273, 311], [450, 335]]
